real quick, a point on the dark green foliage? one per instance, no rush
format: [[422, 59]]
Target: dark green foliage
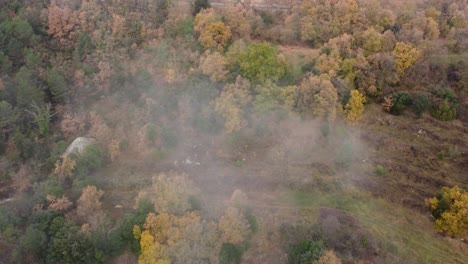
[[310, 67], [32, 243], [7, 114], [56, 152], [400, 101], [230, 254], [444, 111], [83, 47], [28, 92], [88, 161], [26, 144], [124, 231], [5, 63], [420, 104], [69, 245], [445, 94], [442, 206], [199, 5], [57, 83], [32, 60], [306, 252], [15, 35]]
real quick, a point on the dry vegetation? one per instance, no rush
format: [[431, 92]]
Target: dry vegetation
[[327, 132]]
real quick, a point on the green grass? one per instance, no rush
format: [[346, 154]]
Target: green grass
[[402, 232]]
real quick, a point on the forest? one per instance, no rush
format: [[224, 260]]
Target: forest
[[243, 131]]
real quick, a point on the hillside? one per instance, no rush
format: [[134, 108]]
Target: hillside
[[313, 131]]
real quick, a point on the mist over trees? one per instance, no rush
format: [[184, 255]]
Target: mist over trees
[[158, 131]]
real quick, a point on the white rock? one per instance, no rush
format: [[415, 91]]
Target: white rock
[[79, 145]]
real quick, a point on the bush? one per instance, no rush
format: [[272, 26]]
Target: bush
[[420, 104], [400, 101], [379, 170], [199, 5], [230, 254], [306, 252], [444, 111]]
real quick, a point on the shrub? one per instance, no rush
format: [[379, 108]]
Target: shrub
[[199, 5], [379, 170], [400, 101], [306, 252], [420, 104], [230, 254], [444, 111]]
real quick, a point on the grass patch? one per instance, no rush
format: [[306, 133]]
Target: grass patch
[[401, 231]]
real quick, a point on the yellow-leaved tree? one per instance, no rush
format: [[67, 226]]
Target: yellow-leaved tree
[[215, 36], [406, 54], [234, 226], [450, 208], [355, 107]]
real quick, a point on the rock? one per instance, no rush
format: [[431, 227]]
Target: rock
[[79, 145]]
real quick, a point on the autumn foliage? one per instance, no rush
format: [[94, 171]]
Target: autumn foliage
[[450, 208]]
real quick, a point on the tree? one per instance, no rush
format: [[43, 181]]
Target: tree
[[215, 36], [306, 252], [233, 226], [355, 107], [151, 251], [215, 66], [235, 19], [57, 84], [200, 5], [42, 116], [317, 97], [204, 18], [260, 63], [371, 41], [406, 54], [7, 114], [231, 102], [28, 92], [89, 207], [450, 208], [172, 193], [61, 23]]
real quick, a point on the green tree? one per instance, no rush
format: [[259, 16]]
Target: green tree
[[306, 252], [260, 62], [42, 116], [28, 92], [57, 83], [7, 114]]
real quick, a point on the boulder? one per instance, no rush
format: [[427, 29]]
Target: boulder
[[79, 145]]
